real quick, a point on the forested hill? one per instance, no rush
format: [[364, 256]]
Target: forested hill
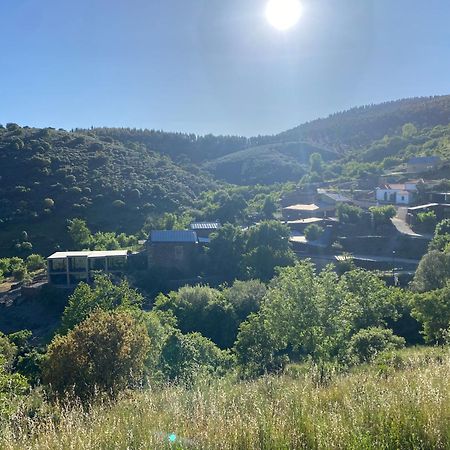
[[115, 178], [48, 176], [356, 127], [282, 157], [360, 126]]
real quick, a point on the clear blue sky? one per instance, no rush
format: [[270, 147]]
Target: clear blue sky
[[213, 65]]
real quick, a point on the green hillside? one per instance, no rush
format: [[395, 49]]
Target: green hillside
[[48, 176], [267, 163], [362, 125], [115, 178]]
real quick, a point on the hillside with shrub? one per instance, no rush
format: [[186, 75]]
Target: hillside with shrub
[[48, 176], [115, 179]]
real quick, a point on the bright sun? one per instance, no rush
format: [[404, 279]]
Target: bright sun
[[283, 14]]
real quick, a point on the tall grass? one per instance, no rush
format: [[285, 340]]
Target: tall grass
[[403, 403]]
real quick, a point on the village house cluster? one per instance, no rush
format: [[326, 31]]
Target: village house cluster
[[181, 251]]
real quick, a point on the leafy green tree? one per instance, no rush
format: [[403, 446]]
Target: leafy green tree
[[186, 356], [225, 251], [441, 236], [409, 130], [103, 295], [369, 301], [365, 345], [257, 350], [13, 386], [202, 309], [229, 207], [245, 297], [316, 163], [267, 248], [313, 232], [269, 208], [349, 214], [8, 352], [433, 271], [432, 309], [79, 233], [382, 214], [106, 352]]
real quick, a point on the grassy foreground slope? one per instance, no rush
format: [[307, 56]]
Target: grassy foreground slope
[[402, 403]]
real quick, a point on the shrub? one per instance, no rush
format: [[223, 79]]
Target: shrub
[[383, 214], [313, 232], [185, 356], [35, 262], [104, 353], [20, 273], [427, 220], [348, 213], [368, 343]]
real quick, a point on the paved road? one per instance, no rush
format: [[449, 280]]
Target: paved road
[[399, 222]]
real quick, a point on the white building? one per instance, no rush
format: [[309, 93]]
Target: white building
[[67, 269], [398, 194]]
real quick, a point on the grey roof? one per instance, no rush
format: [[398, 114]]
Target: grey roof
[[173, 236], [88, 254], [424, 160], [205, 226], [335, 196]]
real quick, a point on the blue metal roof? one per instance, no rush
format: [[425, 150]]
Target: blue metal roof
[[173, 236], [205, 226]]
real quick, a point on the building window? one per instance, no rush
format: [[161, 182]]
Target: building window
[[116, 263], [97, 263], [58, 265], [77, 264]]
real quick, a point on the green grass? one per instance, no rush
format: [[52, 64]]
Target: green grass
[[370, 408]]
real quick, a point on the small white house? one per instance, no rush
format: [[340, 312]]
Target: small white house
[[398, 194]]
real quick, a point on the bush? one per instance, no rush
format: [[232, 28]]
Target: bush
[[103, 295], [185, 356], [368, 343], [427, 220], [313, 232], [383, 214], [348, 213], [20, 273], [35, 262], [104, 353]]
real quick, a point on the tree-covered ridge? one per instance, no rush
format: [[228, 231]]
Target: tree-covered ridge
[[352, 128], [359, 126], [181, 146], [49, 175]]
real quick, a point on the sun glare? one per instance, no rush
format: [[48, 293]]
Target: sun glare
[[283, 14]]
